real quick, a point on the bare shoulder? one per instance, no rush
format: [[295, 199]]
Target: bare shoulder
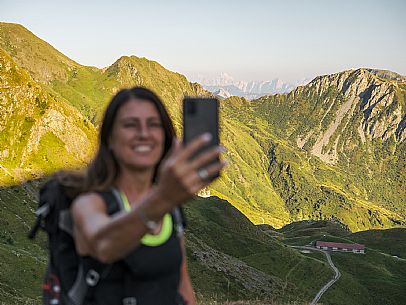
[[88, 203]]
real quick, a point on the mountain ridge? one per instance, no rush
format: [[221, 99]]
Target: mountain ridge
[[271, 178], [225, 86]]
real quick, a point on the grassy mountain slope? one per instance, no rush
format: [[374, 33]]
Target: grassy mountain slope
[[22, 262], [229, 257], [391, 241], [346, 148], [374, 278], [354, 120], [270, 178], [36, 127], [88, 88], [250, 192], [223, 240], [51, 68]]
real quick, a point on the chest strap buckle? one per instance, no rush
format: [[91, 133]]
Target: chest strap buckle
[[92, 278], [130, 301]]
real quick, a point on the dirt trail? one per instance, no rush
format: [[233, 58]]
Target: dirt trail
[[337, 274]]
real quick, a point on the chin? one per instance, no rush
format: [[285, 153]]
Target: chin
[[141, 163], [142, 166]]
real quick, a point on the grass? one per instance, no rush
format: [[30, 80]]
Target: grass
[[390, 241], [22, 262], [372, 278], [226, 253], [224, 229]]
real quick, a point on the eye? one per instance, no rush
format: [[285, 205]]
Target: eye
[[155, 124], [130, 125]]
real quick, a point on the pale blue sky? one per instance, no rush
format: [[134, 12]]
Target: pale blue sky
[[251, 40]]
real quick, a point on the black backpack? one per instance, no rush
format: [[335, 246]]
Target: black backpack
[[66, 281]]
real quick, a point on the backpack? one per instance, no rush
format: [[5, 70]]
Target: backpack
[[66, 281]]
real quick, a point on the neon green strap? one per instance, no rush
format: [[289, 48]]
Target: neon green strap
[[151, 239]]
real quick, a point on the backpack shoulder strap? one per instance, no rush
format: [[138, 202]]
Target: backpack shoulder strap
[[112, 202], [90, 270], [179, 221]]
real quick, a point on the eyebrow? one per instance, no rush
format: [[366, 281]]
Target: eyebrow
[[127, 119]]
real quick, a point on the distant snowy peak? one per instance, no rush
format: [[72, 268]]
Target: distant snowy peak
[[223, 79], [224, 85], [221, 92]]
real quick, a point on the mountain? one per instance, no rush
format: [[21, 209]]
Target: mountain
[[225, 86], [84, 90], [52, 69], [271, 178], [354, 122], [328, 156], [89, 89], [358, 102], [36, 128]]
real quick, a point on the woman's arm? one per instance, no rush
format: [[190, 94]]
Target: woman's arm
[[110, 238], [185, 285]]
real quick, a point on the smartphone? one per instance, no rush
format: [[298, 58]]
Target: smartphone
[[201, 115]]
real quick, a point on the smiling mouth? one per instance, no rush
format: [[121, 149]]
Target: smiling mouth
[[142, 148]]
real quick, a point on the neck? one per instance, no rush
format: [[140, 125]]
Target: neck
[[134, 183]]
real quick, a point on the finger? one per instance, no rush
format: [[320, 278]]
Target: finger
[[206, 157], [175, 148], [195, 145], [212, 171]]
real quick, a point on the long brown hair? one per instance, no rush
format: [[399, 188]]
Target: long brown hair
[[104, 169]]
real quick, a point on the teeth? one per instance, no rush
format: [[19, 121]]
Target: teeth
[[142, 148]]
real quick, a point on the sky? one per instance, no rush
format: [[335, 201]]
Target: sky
[[250, 40]]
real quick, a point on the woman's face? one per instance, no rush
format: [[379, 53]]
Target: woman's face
[[137, 139]]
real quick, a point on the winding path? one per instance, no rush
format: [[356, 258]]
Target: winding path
[[332, 281]]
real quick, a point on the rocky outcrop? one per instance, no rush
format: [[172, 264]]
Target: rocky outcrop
[[364, 105]]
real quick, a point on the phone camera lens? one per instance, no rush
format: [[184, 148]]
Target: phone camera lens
[[191, 107]]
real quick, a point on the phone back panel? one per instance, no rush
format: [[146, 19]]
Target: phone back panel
[[200, 115]]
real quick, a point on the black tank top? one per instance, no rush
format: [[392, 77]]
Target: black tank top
[[149, 275]]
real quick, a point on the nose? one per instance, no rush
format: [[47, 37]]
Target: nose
[[144, 131]]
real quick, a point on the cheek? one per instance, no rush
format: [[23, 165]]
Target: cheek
[[121, 137], [117, 141]]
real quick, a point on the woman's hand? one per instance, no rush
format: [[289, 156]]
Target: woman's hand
[[179, 178]]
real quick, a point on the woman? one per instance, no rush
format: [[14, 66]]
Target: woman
[[139, 159]]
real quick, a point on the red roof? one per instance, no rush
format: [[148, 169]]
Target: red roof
[[339, 245]]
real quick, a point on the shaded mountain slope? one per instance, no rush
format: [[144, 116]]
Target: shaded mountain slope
[[229, 257]]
